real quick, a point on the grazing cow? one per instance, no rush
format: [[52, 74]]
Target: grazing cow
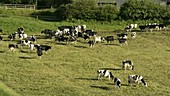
[[91, 41], [42, 47], [39, 52], [25, 43], [117, 82], [127, 64], [130, 27], [12, 36], [1, 38], [104, 73], [12, 47], [142, 28], [122, 38], [109, 39], [20, 30], [32, 38], [136, 79], [98, 39], [31, 46], [83, 28], [133, 34]]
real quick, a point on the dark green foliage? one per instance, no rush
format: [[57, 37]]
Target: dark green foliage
[[87, 10], [143, 10]]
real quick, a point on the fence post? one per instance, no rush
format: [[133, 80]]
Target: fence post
[[37, 17]]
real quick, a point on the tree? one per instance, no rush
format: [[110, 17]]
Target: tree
[[142, 10]]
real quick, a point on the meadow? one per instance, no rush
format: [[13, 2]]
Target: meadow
[[71, 70]]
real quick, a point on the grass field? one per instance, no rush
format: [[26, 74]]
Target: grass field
[[70, 70]]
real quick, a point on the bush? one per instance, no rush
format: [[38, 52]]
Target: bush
[[86, 10], [142, 10]]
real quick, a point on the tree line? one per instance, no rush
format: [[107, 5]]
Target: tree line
[[130, 10], [90, 10]]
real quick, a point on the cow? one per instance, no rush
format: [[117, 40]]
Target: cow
[[12, 47], [109, 39], [130, 27], [117, 82], [143, 28], [98, 39], [136, 79], [49, 33], [66, 38], [32, 38], [25, 43], [39, 52], [91, 41], [42, 47], [133, 34], [12, 36], [127, 64], [122, 38], [1, 38], [104, 73]]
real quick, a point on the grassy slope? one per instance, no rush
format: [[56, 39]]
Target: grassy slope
[[71, 69]]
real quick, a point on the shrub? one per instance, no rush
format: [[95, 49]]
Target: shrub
[[142, 10]]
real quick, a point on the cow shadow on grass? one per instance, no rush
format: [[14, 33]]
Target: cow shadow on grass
[[80, 46], [168, 50], [1, 51], [110, 69], [114, 84], [23, 51], [87, 79], [111, 44], [100, 87], [22, 57]]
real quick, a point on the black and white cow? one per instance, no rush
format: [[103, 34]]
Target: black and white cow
[[133, 34], [25, 43], [1, 38], [130, 27], [12, 36], [127, 64], [42, 47], [32, 38], [136, 79], [104, 73], [117, 82], [12, 47], [122, 38], [109, 39]]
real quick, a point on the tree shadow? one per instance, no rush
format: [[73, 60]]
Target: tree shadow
[[100, 87], [27, 57]]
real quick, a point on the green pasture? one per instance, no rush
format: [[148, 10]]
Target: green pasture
[[70, 70]]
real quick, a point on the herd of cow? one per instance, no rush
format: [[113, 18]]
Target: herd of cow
[[132, 79], [72, 33]]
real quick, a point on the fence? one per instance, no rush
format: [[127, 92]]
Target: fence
[[18, 6]]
